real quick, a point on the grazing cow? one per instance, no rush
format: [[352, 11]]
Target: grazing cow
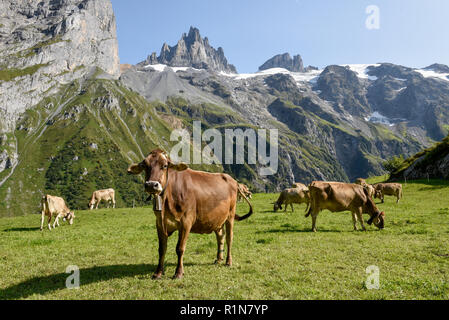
[[107, 195], [55, 206], [245, 191], [337, 196], [189, 201], [292, 195], [388, 189]]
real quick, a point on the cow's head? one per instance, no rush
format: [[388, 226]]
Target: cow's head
[[277, 207], [70, 216], [91, 204], [156, 166], [377, 194], [378, 219]]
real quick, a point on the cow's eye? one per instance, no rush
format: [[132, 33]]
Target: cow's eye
[[164, 166]]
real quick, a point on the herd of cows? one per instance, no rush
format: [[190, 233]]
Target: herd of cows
[[188, 201]]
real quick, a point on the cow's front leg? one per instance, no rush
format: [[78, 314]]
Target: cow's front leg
[[49, 223], [360, 217], [162, 250], [180, 249], [220, 245]]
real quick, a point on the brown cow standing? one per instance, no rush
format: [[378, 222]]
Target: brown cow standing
[[290, 196], [337, 196], [388, 189], [191, 201], [106, 195]]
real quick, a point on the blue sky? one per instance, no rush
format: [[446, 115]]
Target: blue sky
[[414, 33]]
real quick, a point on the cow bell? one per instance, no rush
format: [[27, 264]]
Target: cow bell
[[157, 203]]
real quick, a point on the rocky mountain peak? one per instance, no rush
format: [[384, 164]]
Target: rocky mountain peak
[[192, 51], [285, 61], [438, 68]]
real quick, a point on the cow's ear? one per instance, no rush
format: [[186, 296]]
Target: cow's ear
[[136, 168], [178, 166]]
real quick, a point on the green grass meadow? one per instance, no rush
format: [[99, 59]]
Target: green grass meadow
[[275, 255]]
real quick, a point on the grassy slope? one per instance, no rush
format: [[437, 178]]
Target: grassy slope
[[275, 255]]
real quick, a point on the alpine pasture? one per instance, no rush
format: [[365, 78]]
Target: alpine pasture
[[275, 255]]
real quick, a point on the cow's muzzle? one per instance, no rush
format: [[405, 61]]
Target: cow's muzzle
[[153, 187]]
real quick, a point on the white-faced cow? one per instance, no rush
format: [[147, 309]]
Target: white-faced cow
[[337, 196], [55, 206], [106, 195], [190, 201]]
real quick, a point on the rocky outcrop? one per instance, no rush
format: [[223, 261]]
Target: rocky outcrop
[[192, 51], [46, 43], [432, 163]]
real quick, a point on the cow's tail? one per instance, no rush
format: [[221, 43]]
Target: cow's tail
[[246, 216]]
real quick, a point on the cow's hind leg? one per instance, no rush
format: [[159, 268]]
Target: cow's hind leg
[[229, 238], [180, 249], [354, 220], [314, 216], [49, 222], [220, 234]]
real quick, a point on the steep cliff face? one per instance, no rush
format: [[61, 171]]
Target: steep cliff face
[[47, 43], [192, 51]]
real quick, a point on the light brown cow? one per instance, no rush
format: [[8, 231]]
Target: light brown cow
[[367, 186], [337, 196], [290, 196], [361, 181], [245, 191], [388, 189], [190, 201], [300, 186], [106, 195], [55, 206]]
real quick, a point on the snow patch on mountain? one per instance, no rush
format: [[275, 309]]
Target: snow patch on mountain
[[362, 70], [299, 77], [433, 74], [162, 67]]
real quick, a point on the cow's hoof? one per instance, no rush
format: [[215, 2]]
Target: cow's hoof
[[218, 261], [177, 276], [229, 264], [157, 276]]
